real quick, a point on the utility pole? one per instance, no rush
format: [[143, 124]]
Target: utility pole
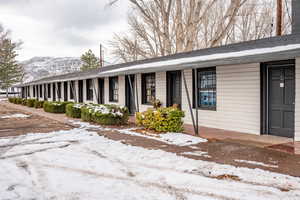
[[279, 18], [101, 56]]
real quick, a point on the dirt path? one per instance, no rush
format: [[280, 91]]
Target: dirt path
[[219, 151], [32, 124]]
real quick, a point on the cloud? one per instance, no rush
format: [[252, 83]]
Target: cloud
[[65, 24]]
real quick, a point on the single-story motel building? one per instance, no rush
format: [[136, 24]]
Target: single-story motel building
[[249, 87]]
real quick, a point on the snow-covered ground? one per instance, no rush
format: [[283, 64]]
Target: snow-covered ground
[[79, 164], [179, 139], [17, 115]]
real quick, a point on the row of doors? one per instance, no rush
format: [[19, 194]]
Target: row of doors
[[100, 96], [173, 90], [278, 96]]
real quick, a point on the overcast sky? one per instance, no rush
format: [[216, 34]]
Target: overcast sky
[[62, 27]]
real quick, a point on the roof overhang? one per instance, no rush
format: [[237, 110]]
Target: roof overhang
[[227, 56]]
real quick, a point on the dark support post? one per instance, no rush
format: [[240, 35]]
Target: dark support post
[[196, 101], [37, 91], [189, 100], [131, 91], [136, 93]]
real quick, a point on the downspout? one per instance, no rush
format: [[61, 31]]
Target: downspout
[[196, 101], [56, 88], [137, 94], [189, 101], [37, 92], [95, 91]]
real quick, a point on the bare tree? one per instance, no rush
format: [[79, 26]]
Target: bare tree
[[163, 27]]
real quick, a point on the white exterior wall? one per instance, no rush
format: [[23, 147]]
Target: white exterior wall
[[160, 90], [31, 92], [76, 90], [238, 99], [297, 101], [121, 92]]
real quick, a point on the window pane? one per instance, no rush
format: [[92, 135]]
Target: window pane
[[207, 88]]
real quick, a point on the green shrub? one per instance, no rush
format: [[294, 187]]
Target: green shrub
[[73, 110], [15, 100], [38, 104], [18, 100], [30, 102], [162, 119], [86, 114], [55, 107], [24, 102], [11, 100], [105, 114]]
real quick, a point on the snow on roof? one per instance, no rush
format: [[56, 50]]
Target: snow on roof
[[255, 51], [217, 56]]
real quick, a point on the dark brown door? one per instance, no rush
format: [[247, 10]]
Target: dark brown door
[[54, 91], [174, 88], [66, 91], [80, 91], [130, 94], [101, 91], [281, 100]]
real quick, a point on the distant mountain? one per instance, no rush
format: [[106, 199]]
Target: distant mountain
[[39, 67]]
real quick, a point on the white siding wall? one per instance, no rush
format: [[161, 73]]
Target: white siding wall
[[121, 84], [69, 92], [121, 91], [31, 91], [106, 90], [238, 99], [76, 95], [297, 102]]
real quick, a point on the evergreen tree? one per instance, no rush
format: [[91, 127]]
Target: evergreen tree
[[90, 61], [11, 72]]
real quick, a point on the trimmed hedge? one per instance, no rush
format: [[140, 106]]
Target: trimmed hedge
[[15, 100], [105, 114], [73, 110], [38, 104], [55, 107], [162, 119], [30, 102], [11, 100]]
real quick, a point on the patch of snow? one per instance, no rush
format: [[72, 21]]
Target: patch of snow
[[182, 61], [95, 167], [179, 139], [255, 163], [197, 153], [18, 115]]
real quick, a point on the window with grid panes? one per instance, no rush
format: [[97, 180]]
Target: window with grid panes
[[113, 89], [148, 88], [206, 90]]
